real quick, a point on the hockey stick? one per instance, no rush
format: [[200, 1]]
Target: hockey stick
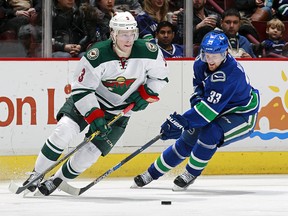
[[18, 189], [64, 186]]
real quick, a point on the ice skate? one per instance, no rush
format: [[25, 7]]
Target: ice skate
[[182, 181], [49, 186], [142, 180], [32, 176]]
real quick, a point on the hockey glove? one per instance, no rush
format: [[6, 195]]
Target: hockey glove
[[142, 97], [95, 117], [173, 127]]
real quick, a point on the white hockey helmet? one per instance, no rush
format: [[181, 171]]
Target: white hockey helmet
[[123, 21]]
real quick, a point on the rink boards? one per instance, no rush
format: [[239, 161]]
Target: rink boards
[[33, 91]]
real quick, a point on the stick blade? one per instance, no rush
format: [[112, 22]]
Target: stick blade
[[69, 189], [14, 188]]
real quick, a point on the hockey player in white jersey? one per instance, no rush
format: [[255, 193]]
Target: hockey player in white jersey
[[111, 75], [223, 110]]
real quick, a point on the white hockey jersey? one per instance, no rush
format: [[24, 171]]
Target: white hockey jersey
[[102, 79]]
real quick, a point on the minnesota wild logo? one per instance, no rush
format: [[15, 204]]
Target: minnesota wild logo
[[119, 85]]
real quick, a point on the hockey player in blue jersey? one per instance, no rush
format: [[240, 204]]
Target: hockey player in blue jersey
[[223, 110]]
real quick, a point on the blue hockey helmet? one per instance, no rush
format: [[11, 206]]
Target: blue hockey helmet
[[214, 42]]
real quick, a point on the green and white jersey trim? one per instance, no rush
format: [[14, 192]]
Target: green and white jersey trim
[[205, 111], [241, 130]]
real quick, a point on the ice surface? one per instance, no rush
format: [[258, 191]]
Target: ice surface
[[243, 195]]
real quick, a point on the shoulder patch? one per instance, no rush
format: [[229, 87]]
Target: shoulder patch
[[93, 54], [151, 47], [218, 76]]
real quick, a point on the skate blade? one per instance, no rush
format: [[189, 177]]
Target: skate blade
[[134, 186], [26, 193], [38, 194], [176, 188]]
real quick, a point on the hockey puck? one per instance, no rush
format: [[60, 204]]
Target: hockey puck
[[166, 202]]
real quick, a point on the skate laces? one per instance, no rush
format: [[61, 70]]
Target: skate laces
[[187, 177], [146, 177]]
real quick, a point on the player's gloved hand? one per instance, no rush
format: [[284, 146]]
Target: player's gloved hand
[[95, 117], [142, 97], [172, 128]]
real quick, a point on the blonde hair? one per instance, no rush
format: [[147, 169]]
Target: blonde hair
[[149, 9], [276, 23]]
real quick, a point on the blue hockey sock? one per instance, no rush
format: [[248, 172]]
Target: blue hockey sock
[[169, 159], [204, 149], [199, 159]]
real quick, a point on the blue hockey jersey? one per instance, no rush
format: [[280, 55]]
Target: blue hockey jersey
[[147, 26], [226, 90], [177, 51]]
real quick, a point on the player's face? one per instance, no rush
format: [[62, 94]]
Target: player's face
[[214, 60], [125, 40]]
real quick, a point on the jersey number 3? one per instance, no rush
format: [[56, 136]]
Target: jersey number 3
[[80, 78]]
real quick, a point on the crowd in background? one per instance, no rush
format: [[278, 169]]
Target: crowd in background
[[255, 28]]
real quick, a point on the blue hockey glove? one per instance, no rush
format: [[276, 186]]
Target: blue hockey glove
[[95, 117], [142, 97], [172, 128]]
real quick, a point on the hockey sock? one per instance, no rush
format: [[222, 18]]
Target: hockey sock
[[79, 162], [199, 159], [170, 158], [204, 149]]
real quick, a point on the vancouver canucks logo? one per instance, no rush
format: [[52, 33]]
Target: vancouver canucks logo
[[119, 85]]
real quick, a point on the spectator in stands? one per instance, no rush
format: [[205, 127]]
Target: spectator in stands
[[96, 20], [274, 43], [19, 13], [22, 20], [175, 5], [133, 6], [255, 10], [281, 8], [105, 12], [204, 21], [153, 13], [69, 36], [164, 37], [239, 46]]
